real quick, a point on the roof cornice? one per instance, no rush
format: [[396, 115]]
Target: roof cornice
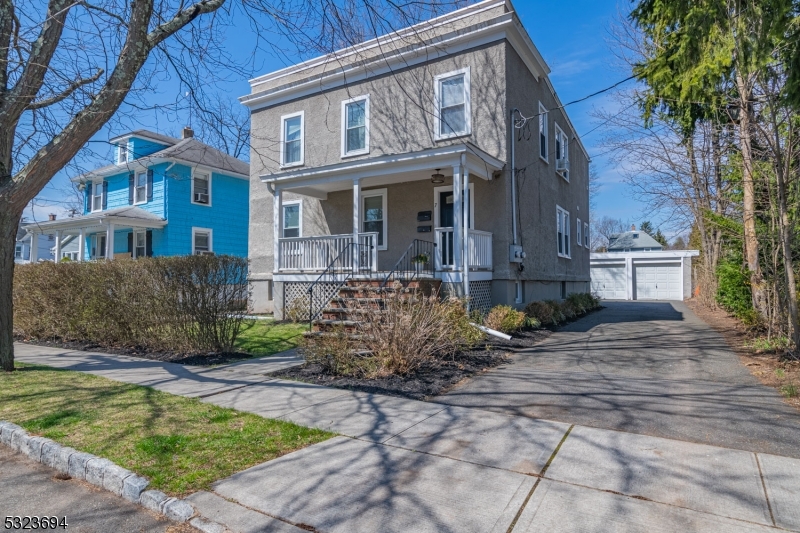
[[146, 162]]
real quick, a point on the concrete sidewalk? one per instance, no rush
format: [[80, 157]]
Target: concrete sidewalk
[[419, 466]]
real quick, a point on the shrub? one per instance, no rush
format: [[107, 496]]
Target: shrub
[[406, 334], [543, 312], [552, 313], [506, 319], [733, 291], [164, 303]]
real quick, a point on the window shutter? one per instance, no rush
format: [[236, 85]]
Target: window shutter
[[130, 188], [105, 195], [149, 184], [148, 243], [130, 243], [88, 202]]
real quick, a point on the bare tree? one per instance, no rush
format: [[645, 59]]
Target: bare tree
[[603, 229], [68, 71]]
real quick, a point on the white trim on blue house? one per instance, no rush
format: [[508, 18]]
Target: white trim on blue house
[[210, 233], [208, 174]]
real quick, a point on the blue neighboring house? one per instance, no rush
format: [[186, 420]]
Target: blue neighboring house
[[162, 196]]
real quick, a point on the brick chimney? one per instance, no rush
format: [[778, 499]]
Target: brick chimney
[[633, 227], [188, 133], [51, 216]]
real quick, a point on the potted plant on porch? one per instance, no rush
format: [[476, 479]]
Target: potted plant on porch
[[419, 261]]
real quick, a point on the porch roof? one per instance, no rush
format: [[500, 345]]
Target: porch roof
[[385, 169], [123, 217]]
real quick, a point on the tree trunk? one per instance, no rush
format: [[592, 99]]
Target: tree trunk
[[9, 221], [749, 200]]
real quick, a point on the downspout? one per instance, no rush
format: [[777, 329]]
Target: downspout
[[513, 183]]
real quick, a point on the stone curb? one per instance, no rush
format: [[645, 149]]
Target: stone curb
[[103, 474]]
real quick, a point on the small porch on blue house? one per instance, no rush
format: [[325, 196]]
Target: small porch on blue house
[[125, 232]]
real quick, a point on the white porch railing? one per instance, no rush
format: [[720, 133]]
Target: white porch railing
[[314, 254], [479, 250]]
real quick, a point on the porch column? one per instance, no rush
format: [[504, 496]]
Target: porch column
[[57, 257], [110, 242], [33, 254], [356, 222], [82, 245], [467, 207], [458, 223], [277, 207]]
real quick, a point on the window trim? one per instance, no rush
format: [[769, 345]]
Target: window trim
[[345, 103], [136, 186], [210, 177], [543, 125], [518, 292], [578, 234], [195, 231], [564, 139], [586, 234], [19, 251], [560, 212], [94, 243], [437, 82], [284, 118], [283, 218], [133, 251], [97, 186], [369, 194]]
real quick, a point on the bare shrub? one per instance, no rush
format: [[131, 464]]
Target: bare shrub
[[506, 319], [397, 339], [544, 312], [165, 303]]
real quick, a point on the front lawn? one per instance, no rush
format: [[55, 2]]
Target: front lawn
[[266, 337], [180, 444]]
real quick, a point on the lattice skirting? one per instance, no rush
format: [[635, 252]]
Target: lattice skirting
[[295, 298], [480, 293]]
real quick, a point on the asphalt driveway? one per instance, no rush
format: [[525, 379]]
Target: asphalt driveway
[[652, 368]]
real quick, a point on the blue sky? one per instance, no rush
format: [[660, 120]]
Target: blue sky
[[572, 37]]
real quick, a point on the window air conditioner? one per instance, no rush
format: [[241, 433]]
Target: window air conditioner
[[201, 198]]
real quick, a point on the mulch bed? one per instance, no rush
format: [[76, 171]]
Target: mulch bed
[[770, 368], [432, 379], [198, 359]]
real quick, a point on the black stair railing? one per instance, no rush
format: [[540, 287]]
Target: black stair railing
[[338, 271], [416, 262]]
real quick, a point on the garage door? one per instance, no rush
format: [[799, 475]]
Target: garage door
[[658, 281], [608, 282]]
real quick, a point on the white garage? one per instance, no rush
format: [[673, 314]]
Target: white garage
[[609, 281], [643, 275]]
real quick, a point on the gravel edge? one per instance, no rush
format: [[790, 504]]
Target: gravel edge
[[103, 474]]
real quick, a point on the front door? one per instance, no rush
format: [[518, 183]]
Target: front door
[[445, 204]]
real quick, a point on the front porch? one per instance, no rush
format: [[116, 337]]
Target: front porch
[[394, 219], [98, 233]]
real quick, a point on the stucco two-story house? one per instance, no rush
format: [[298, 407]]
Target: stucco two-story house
[[161, 196], [444, 143]]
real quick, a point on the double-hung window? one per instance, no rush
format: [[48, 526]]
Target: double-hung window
[[292, 219], [18, 251], [201, 241], [452, 104], [97, 196], [355, 126], [122, 153], [139, 244], [562, 153], [586, 234], [562, 224], [292, 139], [543, 132], [373, 214], [201, 188], [578, 239], [140, 188]]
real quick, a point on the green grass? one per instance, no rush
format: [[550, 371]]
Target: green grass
[[774, 344], [790, 390], [180, 444], [265, 337]]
